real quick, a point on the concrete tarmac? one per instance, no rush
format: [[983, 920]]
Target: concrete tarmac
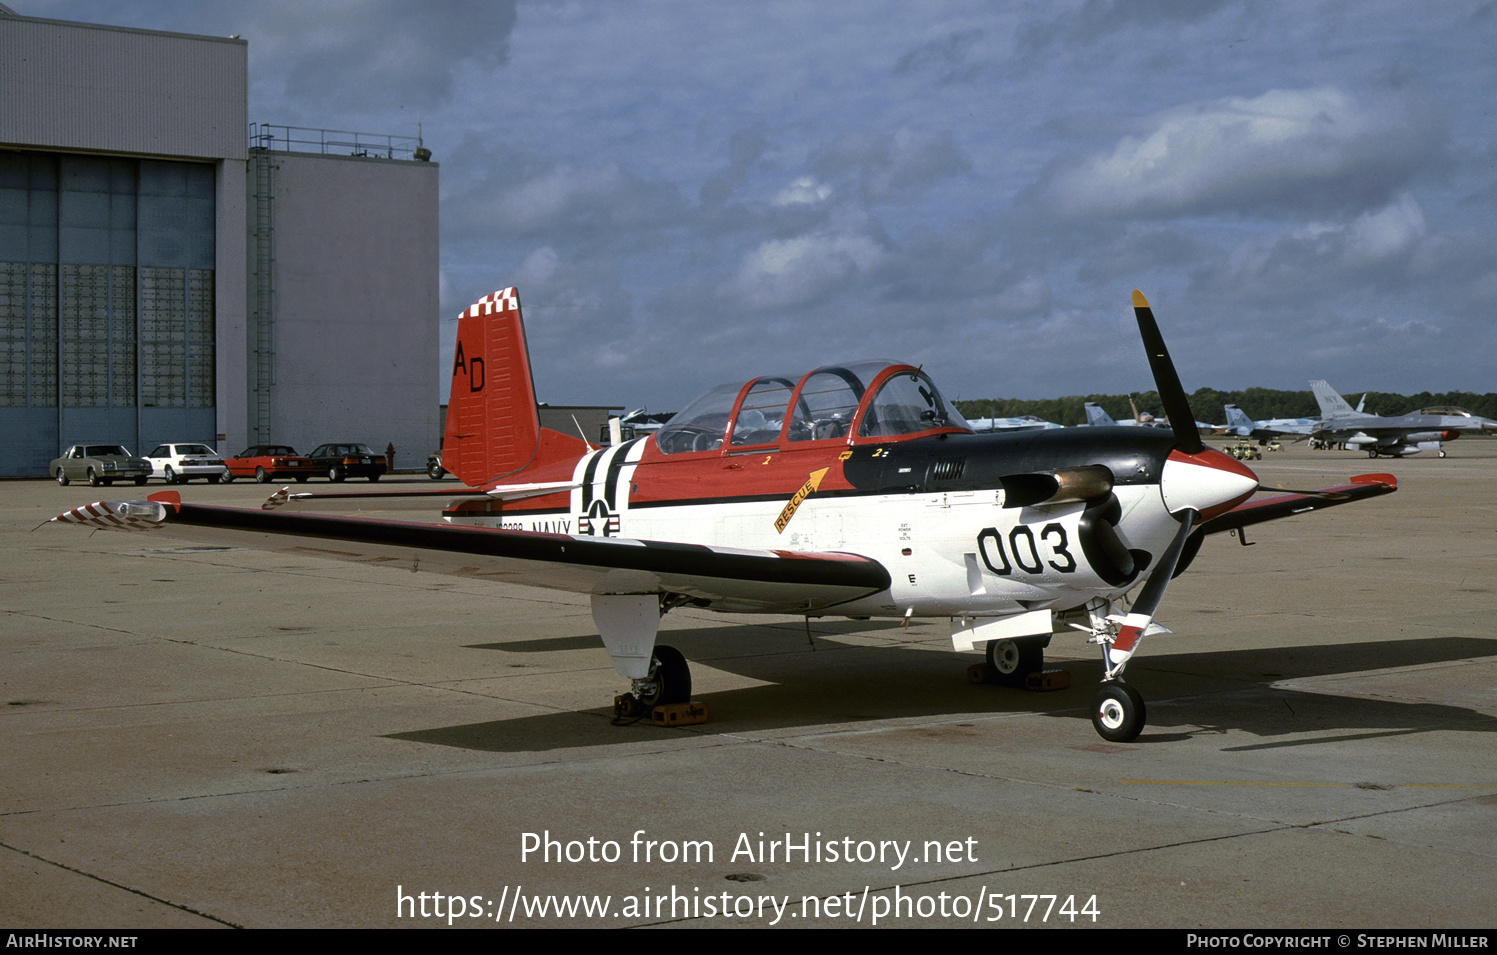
[[203, 737]]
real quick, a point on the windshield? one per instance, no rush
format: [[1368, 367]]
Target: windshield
[[906, 403]]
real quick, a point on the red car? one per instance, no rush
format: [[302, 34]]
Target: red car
[[269, 462]]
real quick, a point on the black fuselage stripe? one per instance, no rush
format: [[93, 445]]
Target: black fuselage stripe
[[587, 480], [615, 467]]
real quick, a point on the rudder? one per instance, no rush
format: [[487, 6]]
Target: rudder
[[493, 429], [1332, 405]]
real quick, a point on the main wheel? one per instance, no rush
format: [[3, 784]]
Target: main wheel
[[1118, 712], [670, 676], [1013, 660]]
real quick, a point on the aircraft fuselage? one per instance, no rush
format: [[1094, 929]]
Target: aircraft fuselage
[[946, 513]]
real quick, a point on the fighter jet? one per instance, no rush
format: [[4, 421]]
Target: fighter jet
[[1239, 424], [1422, 430]]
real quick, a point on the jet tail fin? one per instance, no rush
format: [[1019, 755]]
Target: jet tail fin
[[1238, 422], [493, 428], [1331, 404], [1096, 417]]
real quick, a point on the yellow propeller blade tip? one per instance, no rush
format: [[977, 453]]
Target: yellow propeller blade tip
[[1138, 299]]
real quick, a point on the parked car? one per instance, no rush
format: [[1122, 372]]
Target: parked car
[[434, 468], [180, 463], [339, 461], [269, 462], [98, 464]]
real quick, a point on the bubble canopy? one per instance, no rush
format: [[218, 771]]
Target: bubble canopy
[[874, 400]]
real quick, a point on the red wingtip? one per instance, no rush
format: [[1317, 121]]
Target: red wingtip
[[170, 498], [1387, 479]]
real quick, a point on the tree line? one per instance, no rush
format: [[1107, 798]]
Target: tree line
[[1207, 403]]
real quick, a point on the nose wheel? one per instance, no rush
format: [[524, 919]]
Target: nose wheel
[[1118, 712]]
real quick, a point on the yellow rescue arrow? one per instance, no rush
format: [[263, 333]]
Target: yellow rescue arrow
[[812, 483]]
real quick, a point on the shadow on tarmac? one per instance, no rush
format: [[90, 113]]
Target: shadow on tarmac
[[1188, 694]]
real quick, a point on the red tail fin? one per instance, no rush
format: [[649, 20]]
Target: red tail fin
[[493, 430]]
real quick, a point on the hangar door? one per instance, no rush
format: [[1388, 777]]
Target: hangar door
[[106, 304]]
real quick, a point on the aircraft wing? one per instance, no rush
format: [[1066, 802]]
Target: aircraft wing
[[1259, 509], [721, 577]]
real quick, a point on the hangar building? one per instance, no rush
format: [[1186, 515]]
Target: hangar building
[[168, 273]]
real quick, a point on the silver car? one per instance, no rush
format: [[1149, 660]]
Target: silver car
[[98, 464]]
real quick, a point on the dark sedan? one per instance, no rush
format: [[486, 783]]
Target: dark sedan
[[339, 461]]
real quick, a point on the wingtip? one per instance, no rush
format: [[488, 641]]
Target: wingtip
[[1388, 479], [1138, 299]]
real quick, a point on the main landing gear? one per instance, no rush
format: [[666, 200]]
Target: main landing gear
[[669, 679], [663, 695], [1010, 662], [659, 677]]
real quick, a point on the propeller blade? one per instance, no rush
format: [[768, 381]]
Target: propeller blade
[[1140, 619], [1166, 381], [1159, 577]]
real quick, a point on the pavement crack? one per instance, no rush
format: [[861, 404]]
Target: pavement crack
[[117, 885]]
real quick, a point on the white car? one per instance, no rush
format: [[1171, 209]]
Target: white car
[[179, 463]]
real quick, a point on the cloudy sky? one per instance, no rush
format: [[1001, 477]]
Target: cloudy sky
[[688, 192]]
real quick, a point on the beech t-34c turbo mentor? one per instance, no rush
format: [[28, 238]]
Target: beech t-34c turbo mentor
[[852, 490]]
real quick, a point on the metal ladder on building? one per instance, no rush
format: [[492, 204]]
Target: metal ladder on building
[[262, 288]]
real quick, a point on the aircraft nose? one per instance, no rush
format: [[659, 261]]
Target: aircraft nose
[[1207, 481]]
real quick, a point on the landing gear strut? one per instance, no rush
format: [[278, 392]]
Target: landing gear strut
[[1118, 711]]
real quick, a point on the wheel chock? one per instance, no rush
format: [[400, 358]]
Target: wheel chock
[[1047, 680], [679, 714]]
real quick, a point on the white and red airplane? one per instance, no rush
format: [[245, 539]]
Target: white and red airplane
[[850, 490]]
